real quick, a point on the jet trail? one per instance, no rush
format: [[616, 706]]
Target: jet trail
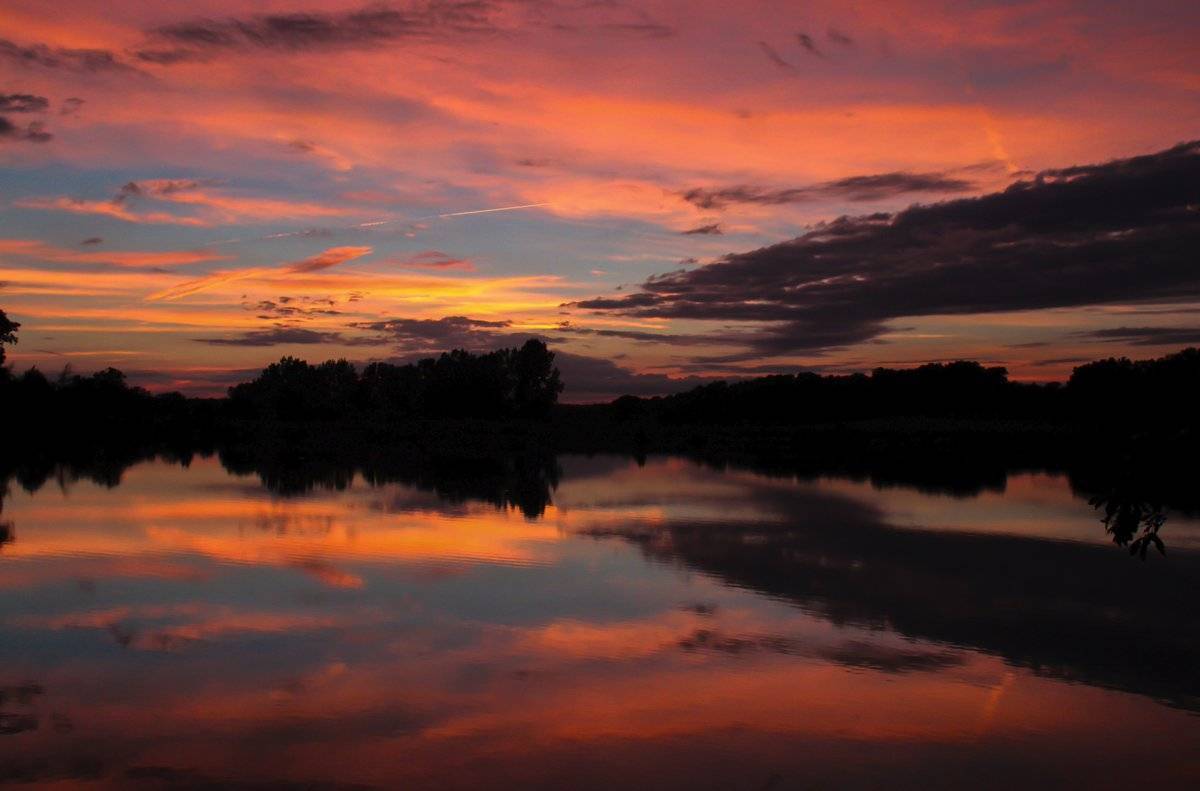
[[377, 223], [487, 211]]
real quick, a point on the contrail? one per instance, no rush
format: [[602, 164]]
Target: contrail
[[377, 223], [487, 211]]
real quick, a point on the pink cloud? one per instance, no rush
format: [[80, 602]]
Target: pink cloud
[[331, 257], [435, 260], [29, 248]]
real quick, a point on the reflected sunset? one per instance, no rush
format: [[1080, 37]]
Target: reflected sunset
[[601, 659], [599, 394]]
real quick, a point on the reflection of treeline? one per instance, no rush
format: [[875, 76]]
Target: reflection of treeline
[[504, 383], [937, 417], [290, 465], [464, 462]]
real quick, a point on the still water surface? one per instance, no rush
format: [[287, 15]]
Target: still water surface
[[658, 626]]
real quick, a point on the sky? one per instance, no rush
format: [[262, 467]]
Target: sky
[[665, 192]]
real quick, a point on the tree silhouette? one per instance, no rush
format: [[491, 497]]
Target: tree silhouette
[[537, 382], [504, 383], [8, 333], [1132, 521]]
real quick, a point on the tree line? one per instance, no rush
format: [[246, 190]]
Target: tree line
[[513, 383], [506, 383], [1115, 391], [524, 383]]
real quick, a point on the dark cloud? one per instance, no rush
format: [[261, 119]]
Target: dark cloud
[[427, 336], [586, 378], [128, 190], [838, 37], [78, 60], [276, 337], [382, 24], [647, 29], [281, 309], [34, 132], [1148, 336], [22, 103], [890, 659], [168, 56], [159, 188], [366, 27], [920, 587], [725, 370], [1120, 232], [713, 229], [71, 105], [327, 259], [774, 56], [437, 260], [589, 379], [1168, 310], [1059, 361], [642, 337], [810, 46], [857, 189], [712, 641], [535, 162], [607, 16], [92, 240]]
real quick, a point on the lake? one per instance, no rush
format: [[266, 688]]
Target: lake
[[592, 623]]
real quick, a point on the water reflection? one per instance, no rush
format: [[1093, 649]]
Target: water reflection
[[521, 481], [582, 622]]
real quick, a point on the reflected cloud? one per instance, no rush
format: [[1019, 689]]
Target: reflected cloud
[[786, 617]]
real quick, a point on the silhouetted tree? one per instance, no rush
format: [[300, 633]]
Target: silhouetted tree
[[537, 383], [458, 384], [291, 389], [1132, 521], [1119, 392], [8, 333], [956, 390]]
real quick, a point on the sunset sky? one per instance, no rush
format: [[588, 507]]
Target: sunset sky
[[191, 190]]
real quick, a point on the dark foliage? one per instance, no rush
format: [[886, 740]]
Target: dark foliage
[[78, 411], [955, 390], [1145, 393], [1120, 394], [957, 424], [507, 383], [8, 334], [504, 478]]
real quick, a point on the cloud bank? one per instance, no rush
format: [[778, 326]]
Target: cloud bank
[[1123, 231]]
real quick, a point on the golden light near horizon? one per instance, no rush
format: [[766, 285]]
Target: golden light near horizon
[[595, 394], [168, 173]]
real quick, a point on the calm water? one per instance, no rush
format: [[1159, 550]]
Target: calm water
[[662, 626]]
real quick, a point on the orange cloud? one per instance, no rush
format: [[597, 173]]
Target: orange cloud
[[109, 209], [213, 207], [435, 260], [29, 248], [331, 257]]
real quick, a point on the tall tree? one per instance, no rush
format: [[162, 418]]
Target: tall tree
[[8, 333]]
